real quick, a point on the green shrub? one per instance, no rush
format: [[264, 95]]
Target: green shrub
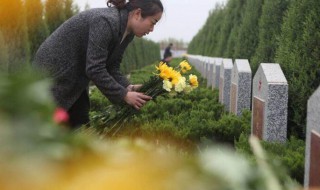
[[42, 155], [194, 117], [98, 102], [289, 155], [196, 120]]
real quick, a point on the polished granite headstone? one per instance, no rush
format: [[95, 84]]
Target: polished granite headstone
[[269, 103], [241, 79], [312, 155], [225, 82], [216, 73], [210, 72]]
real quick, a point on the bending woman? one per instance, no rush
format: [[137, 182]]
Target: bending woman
[[89, 47]]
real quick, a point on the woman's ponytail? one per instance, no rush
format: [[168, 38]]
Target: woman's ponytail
[[117, 3], [148, 7]]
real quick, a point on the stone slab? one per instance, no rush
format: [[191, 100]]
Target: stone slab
[[270, 86], [242, 78], [312, 154], [210, 72], [225, 87], [314, 175], [233, 98], [216, 73], [258, 112]]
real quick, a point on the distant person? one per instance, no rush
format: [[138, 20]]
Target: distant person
[[89, 47], [167, 55]]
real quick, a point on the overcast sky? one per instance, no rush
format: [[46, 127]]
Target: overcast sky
[[182, 19]]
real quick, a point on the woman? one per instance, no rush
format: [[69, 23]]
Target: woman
[[89, 47]]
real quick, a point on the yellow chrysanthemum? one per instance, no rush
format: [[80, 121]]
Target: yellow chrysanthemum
[[167, 85], [162, 66], [193, 79], [184, 65], [166, 72], [174, 77]]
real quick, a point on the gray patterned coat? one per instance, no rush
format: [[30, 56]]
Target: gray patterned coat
[[86, 48]]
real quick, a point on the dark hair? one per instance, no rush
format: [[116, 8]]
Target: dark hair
[[148, 7]]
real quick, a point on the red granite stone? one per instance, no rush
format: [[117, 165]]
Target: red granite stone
[[258, 114], [314, 175]]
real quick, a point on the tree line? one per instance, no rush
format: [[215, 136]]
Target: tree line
[[278, 31], [25, 24]]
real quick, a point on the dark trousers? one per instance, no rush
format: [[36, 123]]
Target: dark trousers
[[79, 111]]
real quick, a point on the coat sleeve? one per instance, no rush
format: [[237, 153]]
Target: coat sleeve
[[100, 37]]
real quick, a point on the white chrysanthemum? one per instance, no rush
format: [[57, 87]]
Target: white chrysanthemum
[[180, 85], [167, 85]]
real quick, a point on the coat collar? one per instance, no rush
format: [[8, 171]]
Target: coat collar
[[123, 14]]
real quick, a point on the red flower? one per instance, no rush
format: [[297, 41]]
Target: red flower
[[60, 116]]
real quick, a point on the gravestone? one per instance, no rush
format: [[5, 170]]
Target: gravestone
[[210, 71], [240, 95], [194, 61], [269, 103], [225, 82], [312, 155], [204, 66], [216, 73], [198, 63], [191, 59]]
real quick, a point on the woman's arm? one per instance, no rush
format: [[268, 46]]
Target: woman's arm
[[100, 37]]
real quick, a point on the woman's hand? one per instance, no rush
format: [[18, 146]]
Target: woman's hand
[[136, 99]]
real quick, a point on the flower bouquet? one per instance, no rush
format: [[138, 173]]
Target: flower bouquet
[[165, 81]]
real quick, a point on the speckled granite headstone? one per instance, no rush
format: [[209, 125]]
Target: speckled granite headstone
[[312, 155], [269, 103], [210, 71], [205, 70], [204, 61], [191, 59], [194, 60], [225, 82], [199, 63], [241, 78], [216, 73]]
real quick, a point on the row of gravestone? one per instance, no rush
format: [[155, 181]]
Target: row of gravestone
[[267, 97]]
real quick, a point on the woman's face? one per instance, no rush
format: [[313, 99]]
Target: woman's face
[[143, 26]]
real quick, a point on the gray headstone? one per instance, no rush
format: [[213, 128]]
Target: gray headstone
[[210, 71], [194, 60], [225, 82], [204, 67], [312, 156], [269, 103], [240, 95], [216, 73], [198, 63]]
